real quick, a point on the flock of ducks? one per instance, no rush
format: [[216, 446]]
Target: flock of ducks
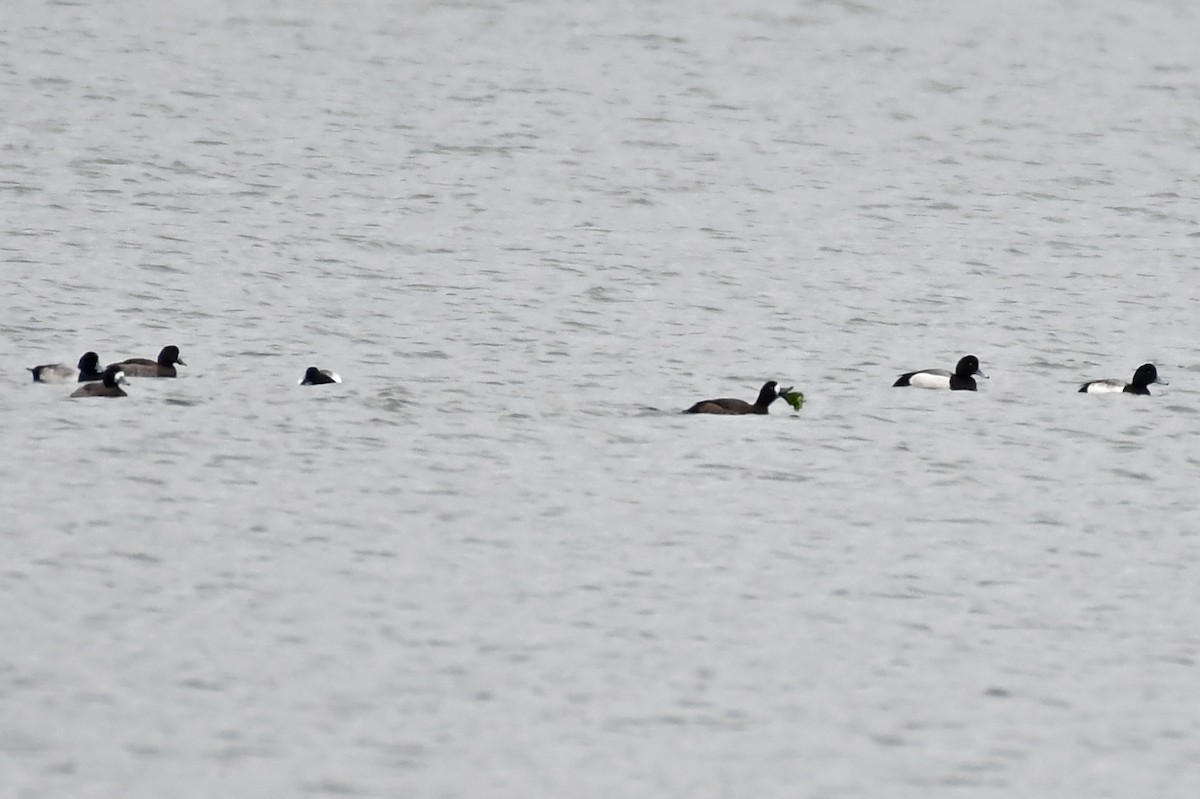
[[961, 379], [967, 369], [108, 382]]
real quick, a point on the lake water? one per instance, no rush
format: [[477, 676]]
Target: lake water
[[495, 561]]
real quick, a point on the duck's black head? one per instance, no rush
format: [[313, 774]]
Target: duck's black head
[[768, 394], [90, 362], [170, 356], [968, 366], [113, 375], [1145, 375]]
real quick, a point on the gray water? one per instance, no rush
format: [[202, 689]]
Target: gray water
[[495, 561]]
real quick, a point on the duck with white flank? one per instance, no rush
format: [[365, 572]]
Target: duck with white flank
[[961, 379], [88, 370], [319, 377], [1142, 378]]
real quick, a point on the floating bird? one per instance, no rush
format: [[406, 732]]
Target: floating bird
[[144, 367], [768, 394], [1142, 378], [962, 379], [89, 369], [319, 377], [109, 385]]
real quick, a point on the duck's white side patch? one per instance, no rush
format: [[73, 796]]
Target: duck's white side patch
[[56, 373], [334, 376], [1106, 387], [929, 380]]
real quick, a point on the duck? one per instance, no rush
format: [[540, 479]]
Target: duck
[[961, 379], [88, 369], [1142, 378], [109, 385], [319, 377], [766, 395], [144, 367]]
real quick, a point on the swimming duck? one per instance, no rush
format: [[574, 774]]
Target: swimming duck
[[319, 377], [144, 367], [961, 379], [1142, 378], [88, 369], [109, 385], [768, 394]]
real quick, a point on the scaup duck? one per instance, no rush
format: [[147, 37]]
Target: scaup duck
[[144, 367], [1142, 378], [319, 377], [768, 394], [962, 379], [88, 369], [109, 385]]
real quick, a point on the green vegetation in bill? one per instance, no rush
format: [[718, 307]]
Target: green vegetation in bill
[[793, 398]]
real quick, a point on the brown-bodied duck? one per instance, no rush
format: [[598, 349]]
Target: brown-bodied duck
[[144, 367], [109, 385], [768, 394]]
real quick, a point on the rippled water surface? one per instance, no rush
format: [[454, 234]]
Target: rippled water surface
[[495, 561]]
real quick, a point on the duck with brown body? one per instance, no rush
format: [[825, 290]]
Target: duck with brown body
[[109, 385], [144, 367], [728, 406]]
